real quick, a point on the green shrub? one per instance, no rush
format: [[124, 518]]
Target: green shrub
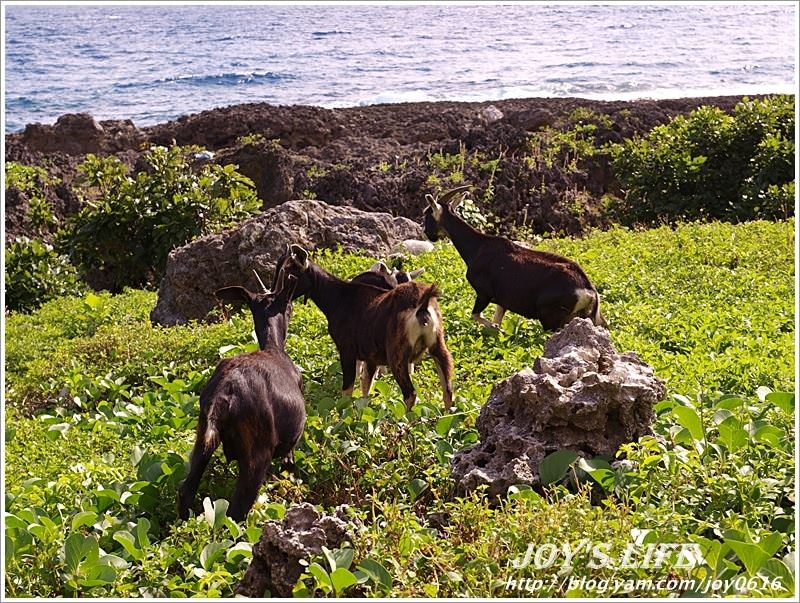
[[31, 181], [123, 237], [711, 165], [35, 274]]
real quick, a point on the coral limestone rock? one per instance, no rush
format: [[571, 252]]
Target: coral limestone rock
[[276, 557], [204, 265], [581, 395]]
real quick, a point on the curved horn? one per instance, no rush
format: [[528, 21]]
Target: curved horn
[[453, 192], [260, 282]]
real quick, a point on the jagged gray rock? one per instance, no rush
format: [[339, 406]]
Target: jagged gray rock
[[581, 395], [301, 534], [204, 265]]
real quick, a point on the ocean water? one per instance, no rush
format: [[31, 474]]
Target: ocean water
[[155, 63]]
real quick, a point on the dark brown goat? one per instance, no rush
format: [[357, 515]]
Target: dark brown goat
[[534, 284], [383, 277], [381, 327], [253, 404]]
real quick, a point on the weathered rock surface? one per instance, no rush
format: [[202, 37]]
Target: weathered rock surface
[[301, 534], [379, 157], [581, 395], [80, 133], [199, 268]]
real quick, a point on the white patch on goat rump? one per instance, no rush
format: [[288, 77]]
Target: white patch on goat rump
[[421, 337], [585, 301]]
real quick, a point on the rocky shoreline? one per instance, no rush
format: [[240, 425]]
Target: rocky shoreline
[[380, 157]]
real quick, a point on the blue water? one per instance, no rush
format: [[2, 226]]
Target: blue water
[[154, 63]]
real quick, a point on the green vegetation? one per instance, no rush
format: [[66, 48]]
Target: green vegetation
[[91, 478], [711, 165], [35, 273], [31, 181], [130, 224]]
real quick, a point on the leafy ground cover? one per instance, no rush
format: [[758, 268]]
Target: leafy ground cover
[[101, 409]]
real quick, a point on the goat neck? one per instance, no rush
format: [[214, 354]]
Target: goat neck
[[466, 239], [324, 288]]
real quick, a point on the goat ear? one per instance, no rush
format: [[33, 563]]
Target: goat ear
[[432, 202], [235, 295], [299, 256], [380, 268], [415, 273]]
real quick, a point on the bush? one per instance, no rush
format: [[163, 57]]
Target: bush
[[710, 165], [124, 236], [31, 181], [35, 274]]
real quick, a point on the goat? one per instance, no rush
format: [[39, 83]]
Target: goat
[[534, 284], [392, 327], [382, 277], [253, 404]]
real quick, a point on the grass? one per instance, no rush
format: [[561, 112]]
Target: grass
[[91, 475]]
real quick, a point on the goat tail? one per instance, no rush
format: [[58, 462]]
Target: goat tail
[[597, 317], [211, 439], [422, 314]]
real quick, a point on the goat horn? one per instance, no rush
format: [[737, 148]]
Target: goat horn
[[260, 282], [453, 192]]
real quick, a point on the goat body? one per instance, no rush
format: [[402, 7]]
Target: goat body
[[392, 327], [534, 284], [253, 405]]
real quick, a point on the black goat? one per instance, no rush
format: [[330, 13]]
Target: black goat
[[392, 327], [534, 284], [253, 402]]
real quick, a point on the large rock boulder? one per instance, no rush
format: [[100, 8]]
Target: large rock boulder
[[268, 165], [199, 268], [80, 133], [276, 557], [581, 395]]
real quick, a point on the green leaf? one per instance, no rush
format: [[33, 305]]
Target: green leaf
[[84, 518], [555, 465], [215, 513], [142, 528], [754, 555], [417, 487], [321, 576], [80, 549], [211, 552], [377, 573], [447, 423], [732, 434], [241, 550], [128, 542], [769, 434], [601, 472], [783, 400], [341, 579], [343, 557], [99, 574], [688, 418]]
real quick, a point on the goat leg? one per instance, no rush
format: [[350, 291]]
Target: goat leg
[[499, 313], [480, 305], [399, 368], [201, 455], [251, 475], [444, 368], [367, 375], [348, 363]]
